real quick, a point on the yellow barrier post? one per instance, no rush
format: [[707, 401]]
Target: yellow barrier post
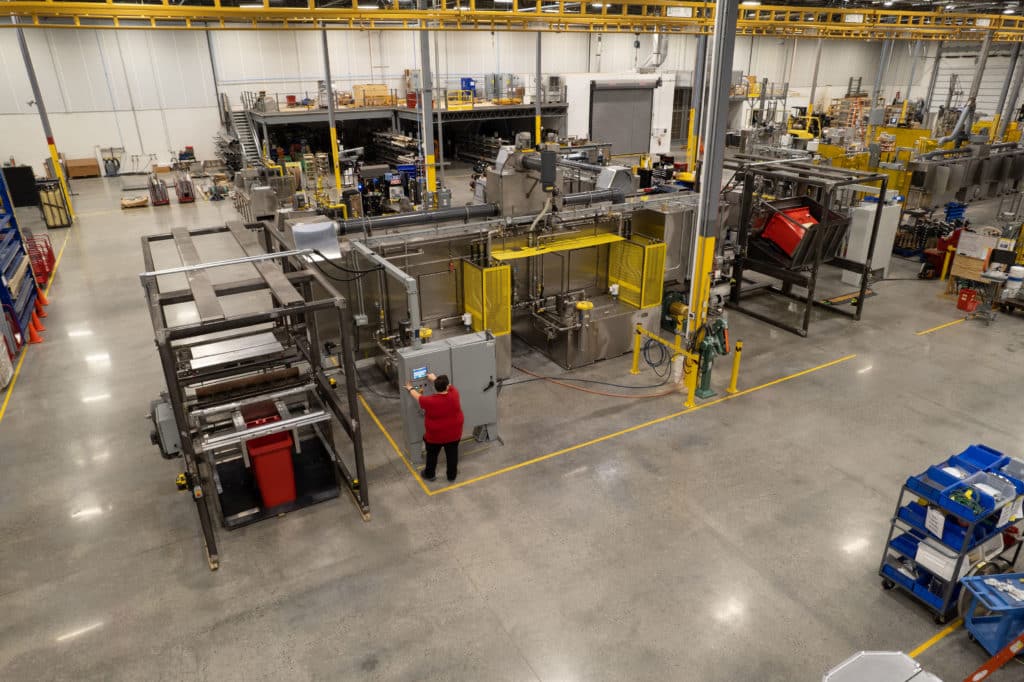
[[945, 264], [690, 379], [735, 368], [636, 351]]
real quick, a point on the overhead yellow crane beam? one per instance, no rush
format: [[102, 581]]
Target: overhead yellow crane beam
[[627, 16]]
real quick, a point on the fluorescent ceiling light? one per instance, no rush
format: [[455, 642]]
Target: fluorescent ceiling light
[[751, 3], [887, 3], [502, 2], [251, 5], [1009, 10]]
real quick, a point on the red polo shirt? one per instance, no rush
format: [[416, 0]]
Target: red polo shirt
[[442, 417]]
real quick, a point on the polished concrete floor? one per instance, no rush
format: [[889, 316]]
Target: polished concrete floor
[[737, 542]]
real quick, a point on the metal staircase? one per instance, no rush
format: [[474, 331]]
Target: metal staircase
[[243, 131]]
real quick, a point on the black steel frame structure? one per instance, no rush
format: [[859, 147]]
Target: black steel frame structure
[[288, 278], [821, 183]]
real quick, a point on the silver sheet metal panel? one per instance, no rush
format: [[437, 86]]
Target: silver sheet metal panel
[[879, 666], [234, 350], [622, 116]]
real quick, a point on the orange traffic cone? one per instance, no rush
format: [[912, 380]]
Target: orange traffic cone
[[33, 335], [37, 322], [40, 310], [42, 296]]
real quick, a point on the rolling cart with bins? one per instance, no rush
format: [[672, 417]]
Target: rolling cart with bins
[[934, 539]]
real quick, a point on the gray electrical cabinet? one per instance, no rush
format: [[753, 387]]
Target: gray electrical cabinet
[[470, 362]]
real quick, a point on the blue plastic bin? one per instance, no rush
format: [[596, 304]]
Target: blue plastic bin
[[1006, 620]]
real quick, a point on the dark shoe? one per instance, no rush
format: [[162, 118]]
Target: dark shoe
[[451, 479], [423, 475]]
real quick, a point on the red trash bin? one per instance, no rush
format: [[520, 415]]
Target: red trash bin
[[271, 458], [967, 301]]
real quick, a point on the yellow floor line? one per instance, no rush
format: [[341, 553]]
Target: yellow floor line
[[56, 263], [10, 387], [24, 350], [599, 439], [941, 326], [394, 445], [938, 637]]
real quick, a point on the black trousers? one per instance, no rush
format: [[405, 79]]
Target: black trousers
[[451, 458]]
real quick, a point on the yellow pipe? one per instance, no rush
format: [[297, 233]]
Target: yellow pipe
[[735, 368], [334, 158], [59, 172], [903, 112], [536, 134]]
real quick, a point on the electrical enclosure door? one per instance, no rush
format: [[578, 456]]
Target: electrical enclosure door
[[622, 117]]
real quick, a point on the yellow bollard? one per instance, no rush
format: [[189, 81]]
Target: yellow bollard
[[690, 379], [945, 264], [735, 368], [636, 351]]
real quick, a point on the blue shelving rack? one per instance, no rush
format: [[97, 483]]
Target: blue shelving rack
[[17, 281], [939, 530]]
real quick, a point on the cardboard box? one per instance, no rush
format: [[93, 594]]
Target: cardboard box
[[161, 168], [369, 95], [83, 168]]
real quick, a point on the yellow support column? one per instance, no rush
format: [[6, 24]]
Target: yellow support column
[[735, 368], [690, 366], [59, 172]]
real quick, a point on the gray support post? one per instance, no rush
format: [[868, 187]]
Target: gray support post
[[1014, 56], [37, 94], [1011, 100], [536, 100], [697, 91], [716, 121], [979, 72], [913, 69], [427, 112], [330, 115], [814, 76], [934, 79], [883, 62], [440, 122]]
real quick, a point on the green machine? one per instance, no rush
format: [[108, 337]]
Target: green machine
[[712, 341]]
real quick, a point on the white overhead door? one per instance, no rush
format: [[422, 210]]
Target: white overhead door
[[963, 66]]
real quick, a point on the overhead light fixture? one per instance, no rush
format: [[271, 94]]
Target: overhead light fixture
[[887, 3], [751, 3], [251, 5], [1009, 10], [502, 2]]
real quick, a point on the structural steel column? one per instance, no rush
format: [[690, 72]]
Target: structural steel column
[[1014, 56], [331, 102], [716, 121], [45, 120], [934, 79], [427, 112], [814, 77], [980, 70], [536, 97], [1011, 100]]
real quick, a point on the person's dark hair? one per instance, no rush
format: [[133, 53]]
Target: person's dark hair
[[441, 383]]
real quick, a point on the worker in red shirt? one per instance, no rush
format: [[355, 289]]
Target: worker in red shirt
[[442, 419]]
